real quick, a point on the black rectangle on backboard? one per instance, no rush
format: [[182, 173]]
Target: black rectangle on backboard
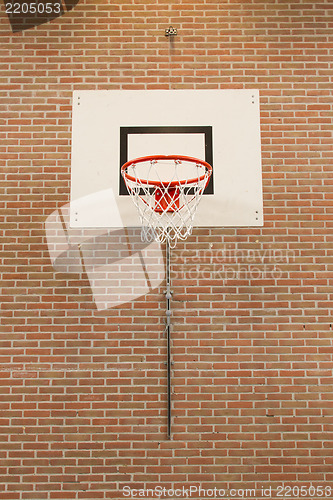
[[205, 130]]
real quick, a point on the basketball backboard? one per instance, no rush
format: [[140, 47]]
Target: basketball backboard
[[219, 126]]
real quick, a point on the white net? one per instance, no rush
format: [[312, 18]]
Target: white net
[[166, 191]]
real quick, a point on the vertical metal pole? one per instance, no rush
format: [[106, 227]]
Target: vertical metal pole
[[168, 325]]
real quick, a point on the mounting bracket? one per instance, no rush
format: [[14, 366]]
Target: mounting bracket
[[171, 31]]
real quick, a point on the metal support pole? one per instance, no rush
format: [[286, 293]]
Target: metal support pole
[[168, 295]]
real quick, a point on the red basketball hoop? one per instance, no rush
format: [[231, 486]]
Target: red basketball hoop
[[166, 191]]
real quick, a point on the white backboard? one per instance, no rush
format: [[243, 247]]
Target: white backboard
[[219, 126]]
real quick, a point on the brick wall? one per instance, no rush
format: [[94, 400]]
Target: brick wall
[[83, 403]]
